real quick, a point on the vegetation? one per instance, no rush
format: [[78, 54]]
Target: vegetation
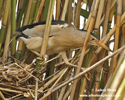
[[24, 76]]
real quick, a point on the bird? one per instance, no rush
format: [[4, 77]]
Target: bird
[[63, 35]]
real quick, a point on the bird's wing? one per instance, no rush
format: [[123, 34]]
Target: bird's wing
[[37, 29]]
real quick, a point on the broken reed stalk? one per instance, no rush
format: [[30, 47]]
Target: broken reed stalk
[[118, 23], [4, 22], [90, 68], [106, 38], [7, 41], [84, 47], [47, 29], [39, 11]]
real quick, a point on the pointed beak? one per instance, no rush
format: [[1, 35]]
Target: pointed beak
[[100, 44]]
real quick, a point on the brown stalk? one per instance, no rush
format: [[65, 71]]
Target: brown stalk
[[18, 88], [78, 10], [84, 47], [47, 29], [70, 14], [64, 9], [20, 5], [88, 21], [112, 10], [2, 96], [119, 13], [122, 41], [99, 14], [14, 97], [57, 9], [105, 23], [10, 90], [112, 6], [39, 11], [36, 88]]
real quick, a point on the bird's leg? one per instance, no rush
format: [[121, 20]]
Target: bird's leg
[[63, 54], [47, 60]]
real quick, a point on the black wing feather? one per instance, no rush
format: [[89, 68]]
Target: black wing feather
[[21, 35], [90, 33]]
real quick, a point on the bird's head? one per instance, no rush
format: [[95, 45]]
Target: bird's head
[[95, 41]]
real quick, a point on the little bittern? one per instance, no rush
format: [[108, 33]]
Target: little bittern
[[63, 36]]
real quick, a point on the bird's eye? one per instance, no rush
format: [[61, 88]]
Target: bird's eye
[[93, 39]]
